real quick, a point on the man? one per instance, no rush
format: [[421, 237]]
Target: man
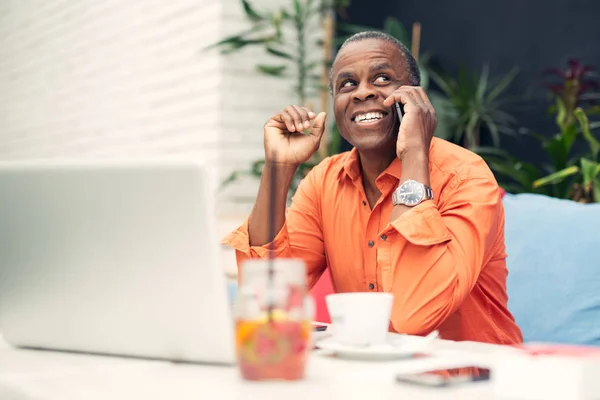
[[402, 212]]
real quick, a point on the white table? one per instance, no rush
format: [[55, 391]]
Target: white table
[[43, 375]]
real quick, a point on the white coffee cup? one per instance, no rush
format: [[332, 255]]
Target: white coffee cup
[[360, 318]]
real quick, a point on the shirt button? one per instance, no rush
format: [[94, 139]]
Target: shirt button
[[383, 237], [371, 286], [371, 243]]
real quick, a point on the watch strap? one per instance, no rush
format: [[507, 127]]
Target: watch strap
[[428, 193]]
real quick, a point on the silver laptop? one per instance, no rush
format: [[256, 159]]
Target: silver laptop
[[114, 258]]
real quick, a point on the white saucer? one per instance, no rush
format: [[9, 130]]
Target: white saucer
[[392, 350]]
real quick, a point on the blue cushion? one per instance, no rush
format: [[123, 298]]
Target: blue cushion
[[553, 284]]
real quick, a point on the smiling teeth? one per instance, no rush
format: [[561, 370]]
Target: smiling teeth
[[369, 116]]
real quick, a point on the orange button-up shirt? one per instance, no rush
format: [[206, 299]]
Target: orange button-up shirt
[[443, 260]]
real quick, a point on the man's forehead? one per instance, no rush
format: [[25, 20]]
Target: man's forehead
[[373, 52]]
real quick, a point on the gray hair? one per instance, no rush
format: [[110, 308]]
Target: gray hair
[[414, 76]]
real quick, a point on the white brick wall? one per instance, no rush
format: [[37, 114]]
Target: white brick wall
[[116, 78], [110, 78]]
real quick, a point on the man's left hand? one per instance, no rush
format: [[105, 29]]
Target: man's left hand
[[418, 123]]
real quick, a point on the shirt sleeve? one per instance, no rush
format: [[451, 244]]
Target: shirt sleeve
[[437, 254], [300, 237]]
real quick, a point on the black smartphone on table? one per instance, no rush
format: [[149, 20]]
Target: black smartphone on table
[[446, 377]]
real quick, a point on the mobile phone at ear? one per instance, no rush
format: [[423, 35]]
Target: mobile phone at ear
[[399, 111], [446, 377]]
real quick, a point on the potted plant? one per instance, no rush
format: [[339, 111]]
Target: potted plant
[[471, 103], [568, 173]]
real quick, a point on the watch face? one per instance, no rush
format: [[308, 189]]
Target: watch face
[[411, 193]]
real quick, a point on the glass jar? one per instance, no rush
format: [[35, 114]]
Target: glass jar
[[273, 319]]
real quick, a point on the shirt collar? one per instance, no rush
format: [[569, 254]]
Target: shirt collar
[[351, 167]]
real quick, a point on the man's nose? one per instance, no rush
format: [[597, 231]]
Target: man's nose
[[363, 92]]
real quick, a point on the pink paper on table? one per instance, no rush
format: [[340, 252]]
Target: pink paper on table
[[537, 349]]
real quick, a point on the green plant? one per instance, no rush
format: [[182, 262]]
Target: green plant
[[555, 178], [585, 186], [270, 30], [513, 174], [565, 175], [469, 103]]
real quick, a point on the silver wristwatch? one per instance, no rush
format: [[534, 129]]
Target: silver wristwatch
[[411, 193]]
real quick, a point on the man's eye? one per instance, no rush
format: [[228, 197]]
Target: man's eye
[[347, 84], [382, 78]]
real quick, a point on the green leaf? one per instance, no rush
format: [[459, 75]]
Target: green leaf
[[285, 14], [541, 138], [297, 10], [272, 70], [472, 129], [513, 171], [533, 171], [424, 77], [276, 20], [425, 58], [254, 171], [503, 84], [593, 110], [596, 189], [483, 81], [587, 134], [279, 53], [251, 13], [512, 188], [341, 4], [229, 180], [494, 130], [445, 83], [257, 167], [314, 64], [570, 134], [231, 42], [394, 28], [335, 140], [561, 113], [235, 175], [237, 42], [305, 168], [556, 177], [446, 114], [559, 146], [589, 170], [492, 151]]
